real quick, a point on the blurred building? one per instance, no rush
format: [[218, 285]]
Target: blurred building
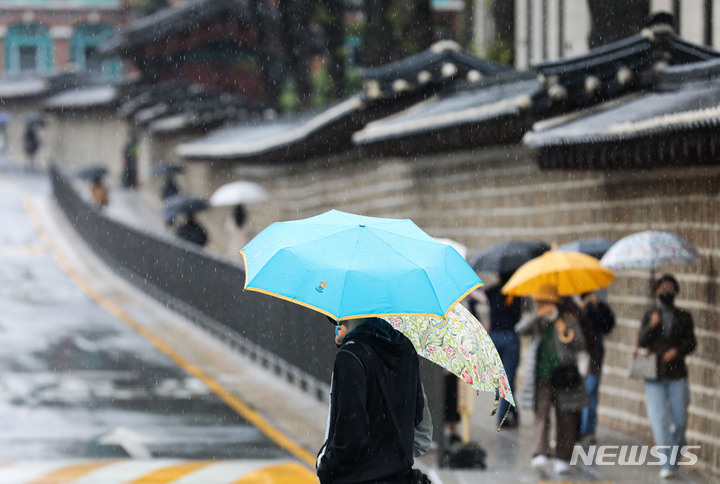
[[42, 37]]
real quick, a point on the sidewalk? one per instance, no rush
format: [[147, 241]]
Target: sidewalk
[[293, 412]]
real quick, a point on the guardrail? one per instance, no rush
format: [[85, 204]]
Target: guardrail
[[294, 341]]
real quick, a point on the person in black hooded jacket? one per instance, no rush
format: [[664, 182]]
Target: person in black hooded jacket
[[363, 444]]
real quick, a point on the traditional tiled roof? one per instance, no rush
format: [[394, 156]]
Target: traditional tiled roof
[[618, 68], [491, 112], [443, 62], [283, 138], [23, 88], [329, 130], [80, 98], [674, 125]]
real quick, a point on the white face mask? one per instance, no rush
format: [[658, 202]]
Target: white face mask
[[554, 315]]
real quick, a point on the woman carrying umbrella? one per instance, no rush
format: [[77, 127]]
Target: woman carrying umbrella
[[552, 379], [668, 332]]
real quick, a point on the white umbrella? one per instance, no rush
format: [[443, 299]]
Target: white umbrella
[[238, 192], [649, 250], [460, 248]]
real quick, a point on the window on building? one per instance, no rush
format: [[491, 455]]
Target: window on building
[[84, 50], [28, 48]]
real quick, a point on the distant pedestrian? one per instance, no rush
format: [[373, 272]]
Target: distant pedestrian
[[168, 190], [130, 156], [192, 231], [99, 192], [505, 312], [31, 142], [376, 407], [552, 379], [597, 321], [236, 227], [668, 332]]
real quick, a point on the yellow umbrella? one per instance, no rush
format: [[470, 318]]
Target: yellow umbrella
[[570, 272]]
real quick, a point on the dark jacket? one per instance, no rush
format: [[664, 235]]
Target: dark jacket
[[363, 444], [596, 321], [681, 337]]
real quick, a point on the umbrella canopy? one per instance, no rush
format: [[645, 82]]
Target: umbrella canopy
[[570, 272], [459, 344], [165, 169], [348, 266], [507, 257], [593, 247], [185, 204], [649, 250], [91, 172], [238, 192]]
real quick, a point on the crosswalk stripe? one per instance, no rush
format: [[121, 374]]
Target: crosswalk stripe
[[68, 474], [170, 474], [291, 473], [124, 471], [156, 471], [224, 472], [22, 472]]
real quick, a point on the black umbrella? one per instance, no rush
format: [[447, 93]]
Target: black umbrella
[[507, 257], [165, 169], [185, 204], [594, 247], [91, 172]]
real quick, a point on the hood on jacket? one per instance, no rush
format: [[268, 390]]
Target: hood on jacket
[[390, 345]]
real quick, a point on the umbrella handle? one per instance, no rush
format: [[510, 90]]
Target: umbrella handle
[[565, 335]]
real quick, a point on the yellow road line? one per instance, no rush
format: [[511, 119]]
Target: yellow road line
[[291, 473], [169, 474], [68, 474], [252, 416]]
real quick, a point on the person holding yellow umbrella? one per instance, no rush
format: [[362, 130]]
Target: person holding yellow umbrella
[[552, 377]]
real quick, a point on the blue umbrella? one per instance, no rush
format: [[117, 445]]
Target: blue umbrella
[[348, 266]]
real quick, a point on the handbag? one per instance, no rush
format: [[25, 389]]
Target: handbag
[[565, 377], [643, 365]]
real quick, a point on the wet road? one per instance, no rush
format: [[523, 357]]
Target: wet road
[[78, 383]]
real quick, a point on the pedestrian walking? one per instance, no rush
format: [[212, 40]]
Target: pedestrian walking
[[376, 407], [668, 332], [505, 312], [99, 192], [31, 141], [597, 321], [192, 231], [237, 230], [552, 378], [169, 189], [130, 156]]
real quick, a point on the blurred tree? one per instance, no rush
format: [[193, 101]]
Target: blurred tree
[[615, 19], [395, 29]]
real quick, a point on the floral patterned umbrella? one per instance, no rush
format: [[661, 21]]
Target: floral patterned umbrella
[[459, 344], [649, 250]]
